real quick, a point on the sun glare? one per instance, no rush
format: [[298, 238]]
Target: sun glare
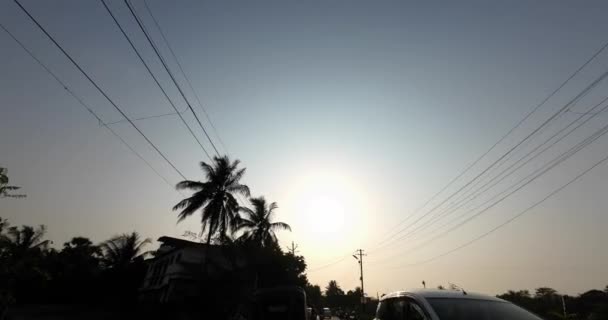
[[329, 209], [325, 215]]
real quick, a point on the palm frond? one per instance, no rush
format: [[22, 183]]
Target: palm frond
[[208, 169], [189, 184], [280, 226], [240, 188]]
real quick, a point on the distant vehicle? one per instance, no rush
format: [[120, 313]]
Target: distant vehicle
[[280, 303], [326, 313], [447, 305], [352, 315]]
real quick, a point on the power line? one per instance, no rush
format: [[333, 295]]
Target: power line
[[152, 75], [475, 194], [146, 118], [97, 86], [509, 220], [328, 265], [530, 178], [179, 65], [517, 125], [84, 105], [556, 114], [563, 157], [162, 60], [467, 192]]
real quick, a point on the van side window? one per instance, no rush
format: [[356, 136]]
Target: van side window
[[398, 309], [414, 312], [392, 309], [381, 310]]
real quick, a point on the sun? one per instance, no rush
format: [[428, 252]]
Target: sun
[[328, 208], [325, 214]]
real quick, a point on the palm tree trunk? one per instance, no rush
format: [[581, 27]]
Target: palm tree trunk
[[206, 256]]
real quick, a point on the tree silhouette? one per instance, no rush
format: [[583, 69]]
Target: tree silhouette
[[313, 295], [18, 242], [545, 292], [333, 289], [3, 225], [215, 197], [120, 251], [257, 224], [22, 265], [5, 188]]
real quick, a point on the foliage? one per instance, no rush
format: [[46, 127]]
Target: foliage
[[333, 289], [314, 295], [258, 226], [122, 250], [547, 303], [31, 272], [5, 188], [215, 197], [335, 297]]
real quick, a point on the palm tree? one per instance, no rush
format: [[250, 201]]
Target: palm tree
[[17, 242], [3, 225], [5, 188], [120, 251], [215, 197], [257, 224]]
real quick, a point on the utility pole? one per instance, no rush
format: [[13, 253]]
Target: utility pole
[[359, 256], [293, 249]]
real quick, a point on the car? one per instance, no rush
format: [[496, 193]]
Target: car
[[326, 313], [427, 304]]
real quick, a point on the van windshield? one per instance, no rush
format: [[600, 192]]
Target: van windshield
[[472, 309]]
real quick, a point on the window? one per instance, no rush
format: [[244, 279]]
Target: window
[[472, 309], [381, 311], [415, 312], [399, 309]]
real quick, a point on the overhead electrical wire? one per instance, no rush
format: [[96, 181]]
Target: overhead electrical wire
[[97, 87], [555, 162], [162, 60], [479, 190], [520, 183], [328, 264], [392, 233], [168, 44], [483, 235], [153, 76], [179, 65], [147, 117], [85, 106], [527, 137]]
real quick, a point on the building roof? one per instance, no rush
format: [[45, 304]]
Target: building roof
[[180, 243], [435, 293]]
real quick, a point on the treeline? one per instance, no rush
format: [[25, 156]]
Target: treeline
[[551, 305], [33, 272], [111, 273], [334, 297]]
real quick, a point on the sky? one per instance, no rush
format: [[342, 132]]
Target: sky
[[349, 114]]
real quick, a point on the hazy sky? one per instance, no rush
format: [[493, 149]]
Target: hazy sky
[[349, 114]]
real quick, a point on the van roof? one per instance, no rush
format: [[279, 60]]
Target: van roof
[[435, 293]]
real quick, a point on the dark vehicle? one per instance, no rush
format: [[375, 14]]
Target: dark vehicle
[[447, 305], [282, 303]]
